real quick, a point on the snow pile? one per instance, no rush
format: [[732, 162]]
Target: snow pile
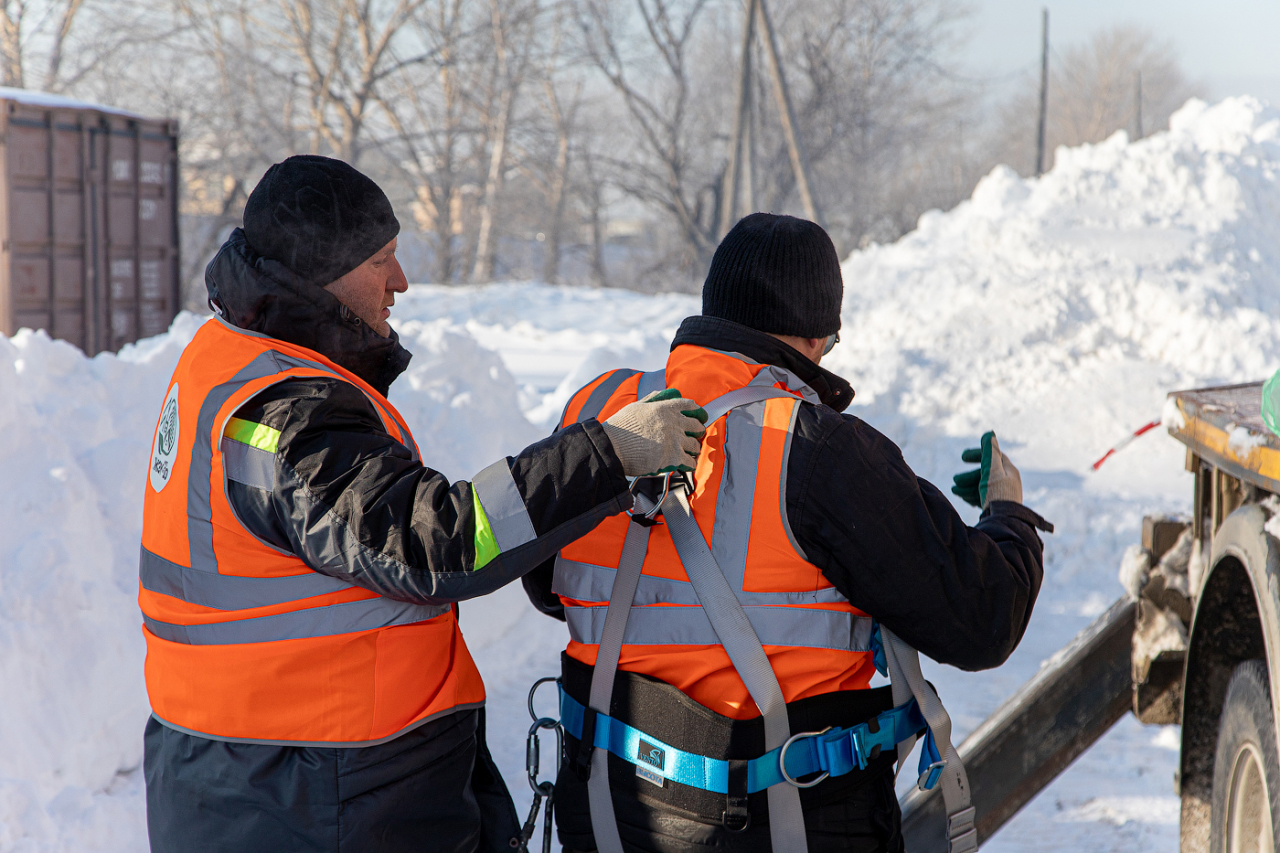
[[1058, 311], [1063, 309]]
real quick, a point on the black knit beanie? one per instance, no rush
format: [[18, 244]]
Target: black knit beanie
[[319, 217], [776, 274]]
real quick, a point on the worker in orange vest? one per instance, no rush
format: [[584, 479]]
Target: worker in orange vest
[[715, 690], [300, 562]]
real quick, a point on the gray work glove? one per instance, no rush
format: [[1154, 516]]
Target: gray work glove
[[996, 480], [658, 434]]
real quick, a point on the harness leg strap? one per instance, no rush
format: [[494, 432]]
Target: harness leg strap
[[600, 799]]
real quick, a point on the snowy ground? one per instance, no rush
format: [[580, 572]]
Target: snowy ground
[[1057, 311]]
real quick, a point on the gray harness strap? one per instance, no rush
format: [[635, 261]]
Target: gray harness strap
[[595, 402], [733, 629], [908, 681], [720, 406], [786, 820], [654, 380], [603, 823]]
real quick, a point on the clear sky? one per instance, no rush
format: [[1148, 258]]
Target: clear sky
[[1227, 46]]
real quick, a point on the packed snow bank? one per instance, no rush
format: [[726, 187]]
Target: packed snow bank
[[1067, 306], [1058, 311]]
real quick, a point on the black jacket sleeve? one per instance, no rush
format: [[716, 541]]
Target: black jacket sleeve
[[894, 545], [352, 503]]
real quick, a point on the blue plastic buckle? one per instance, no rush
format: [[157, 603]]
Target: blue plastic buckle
[[931, 763], [874, 737], [931, 774], [878, 658]]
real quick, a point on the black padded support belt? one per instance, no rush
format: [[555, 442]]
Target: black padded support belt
[[669, 715]]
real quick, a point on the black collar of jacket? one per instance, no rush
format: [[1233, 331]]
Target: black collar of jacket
[[728, 336], [264, 296]]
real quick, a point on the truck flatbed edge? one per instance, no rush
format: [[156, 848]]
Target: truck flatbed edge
[[1224, 426]]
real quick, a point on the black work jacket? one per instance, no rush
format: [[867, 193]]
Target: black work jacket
[[333, 440], [888, 540], [435, 787]]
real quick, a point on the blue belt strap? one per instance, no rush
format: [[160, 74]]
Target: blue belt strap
[[836, 751]]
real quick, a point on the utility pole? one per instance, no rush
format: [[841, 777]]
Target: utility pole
[[1044, 91], [748, 201], [1137, 101], [741, 127], [799, 163]]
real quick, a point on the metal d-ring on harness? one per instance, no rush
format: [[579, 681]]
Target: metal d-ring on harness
[[532, 763]]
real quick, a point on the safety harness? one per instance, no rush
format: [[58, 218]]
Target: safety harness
[[788, 757]]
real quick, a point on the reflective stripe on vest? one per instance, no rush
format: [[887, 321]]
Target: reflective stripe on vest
[[689, 626], [503, 506], [345, 618]]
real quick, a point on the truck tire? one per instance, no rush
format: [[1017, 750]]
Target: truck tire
[[1246, 773]]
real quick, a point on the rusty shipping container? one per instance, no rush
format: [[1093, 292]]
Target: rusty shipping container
[[88, 221]]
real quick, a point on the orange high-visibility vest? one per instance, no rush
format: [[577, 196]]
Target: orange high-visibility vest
[[245, 642], [816, 641]]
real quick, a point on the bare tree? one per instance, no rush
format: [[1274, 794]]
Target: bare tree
[[53, 45], [433, 125], [596, 128], [872, 96], [544, 148], [1092, 93], [511, 30], [343, 49], [644, 54]]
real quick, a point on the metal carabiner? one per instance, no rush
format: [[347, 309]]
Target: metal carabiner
[[532, 763], [533, 754], [541, 790], [640, 508]]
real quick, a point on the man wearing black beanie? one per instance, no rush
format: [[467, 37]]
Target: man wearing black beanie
[[741, 717], [300, 568]]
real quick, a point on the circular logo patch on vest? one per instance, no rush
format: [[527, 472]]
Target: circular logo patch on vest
[[165, 449]]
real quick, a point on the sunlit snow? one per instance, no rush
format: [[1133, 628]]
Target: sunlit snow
[[1058, 311]]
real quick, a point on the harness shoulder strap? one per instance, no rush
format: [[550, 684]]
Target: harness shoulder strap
[[654, 380], [729, 620], [597, 399]]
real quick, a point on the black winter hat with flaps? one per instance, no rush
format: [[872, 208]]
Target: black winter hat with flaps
[[776, 274], [319, 217]]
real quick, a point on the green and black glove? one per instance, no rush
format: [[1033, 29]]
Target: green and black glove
[[996, 480], [657, 435]]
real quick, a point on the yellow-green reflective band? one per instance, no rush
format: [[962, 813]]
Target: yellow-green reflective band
[[255, 435], [486, 546]]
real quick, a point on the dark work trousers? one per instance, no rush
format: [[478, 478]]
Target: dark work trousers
[[434, 788], [864, 819]]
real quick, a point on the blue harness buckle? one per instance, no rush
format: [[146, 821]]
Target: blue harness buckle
[[782, 759]]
